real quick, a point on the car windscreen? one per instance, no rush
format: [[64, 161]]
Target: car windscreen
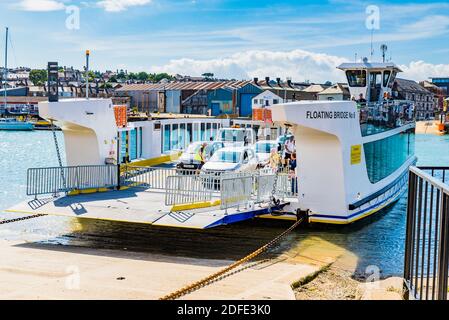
[[226, 156], [265, 147]]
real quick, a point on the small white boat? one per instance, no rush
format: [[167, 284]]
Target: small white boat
[[14, 125]]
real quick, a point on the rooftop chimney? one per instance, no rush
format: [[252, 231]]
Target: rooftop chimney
[[256, 80], [289, 82], [278, 80], [267, 80]]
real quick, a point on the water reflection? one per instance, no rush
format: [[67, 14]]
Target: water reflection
[[378, 240]]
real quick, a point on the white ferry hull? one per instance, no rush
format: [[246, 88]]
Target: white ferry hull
[[333, 182]]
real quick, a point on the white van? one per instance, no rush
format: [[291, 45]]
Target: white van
[[232, 159], [236, 137]]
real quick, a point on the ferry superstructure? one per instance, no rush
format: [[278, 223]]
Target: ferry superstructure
[[353, 156]]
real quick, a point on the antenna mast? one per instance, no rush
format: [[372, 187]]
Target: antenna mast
[[384, 49], [5, 72], [87, 73]]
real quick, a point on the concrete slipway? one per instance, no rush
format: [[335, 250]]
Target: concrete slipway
[[35, 271]]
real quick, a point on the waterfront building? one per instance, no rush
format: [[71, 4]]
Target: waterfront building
[[266, 99], [439, 94], [287, 90], [442, 82], [338, 91], [314, 89], [222, 101], [422, 98]]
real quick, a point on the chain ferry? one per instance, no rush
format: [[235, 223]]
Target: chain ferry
[[352, 156]]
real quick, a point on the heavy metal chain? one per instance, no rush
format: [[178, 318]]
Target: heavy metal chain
[[225, 272], [58, 153], [21, 219]]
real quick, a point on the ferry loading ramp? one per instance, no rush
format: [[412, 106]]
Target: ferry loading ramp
[[154, 196]]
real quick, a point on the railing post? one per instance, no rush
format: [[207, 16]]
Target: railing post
[[119, 176], [443, 255], [411, 211]]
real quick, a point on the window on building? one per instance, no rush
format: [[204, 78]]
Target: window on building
[[275, 101]]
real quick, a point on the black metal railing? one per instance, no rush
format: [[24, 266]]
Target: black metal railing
[[427, 234]]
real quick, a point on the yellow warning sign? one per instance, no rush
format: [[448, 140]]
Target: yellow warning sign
[[356, 154]]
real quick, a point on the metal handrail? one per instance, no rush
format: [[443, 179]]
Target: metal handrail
[[426, 258], [53, 180]]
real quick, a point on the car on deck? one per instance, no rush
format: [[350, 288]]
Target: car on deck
[[187, 158], [232, 159]]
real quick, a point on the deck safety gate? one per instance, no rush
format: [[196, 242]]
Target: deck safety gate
[[54, 180], [427, 235]]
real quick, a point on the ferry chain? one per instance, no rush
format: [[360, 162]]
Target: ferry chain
[[221, 274], [22, 218]]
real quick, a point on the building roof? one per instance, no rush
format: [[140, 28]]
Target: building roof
[[315, 88], [24, 99], [211, 85], [369, 65], [205, 85], [411, 86], [266, 92], [339, 88]]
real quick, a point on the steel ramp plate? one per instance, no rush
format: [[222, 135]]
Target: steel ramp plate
[[136, 206]]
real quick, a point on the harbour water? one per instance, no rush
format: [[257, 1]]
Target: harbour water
[[376, 241]]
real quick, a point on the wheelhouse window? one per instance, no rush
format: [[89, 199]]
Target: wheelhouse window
[[356, 78], [387, 75]]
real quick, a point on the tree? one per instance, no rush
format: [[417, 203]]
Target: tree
[[142, 76], [38, 77], [132, 76], [208, 75], [156, 77], [91, 75], [121, 75]]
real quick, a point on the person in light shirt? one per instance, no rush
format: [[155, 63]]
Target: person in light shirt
[[289, 149]]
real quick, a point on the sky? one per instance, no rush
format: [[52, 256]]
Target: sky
[[301, 40]]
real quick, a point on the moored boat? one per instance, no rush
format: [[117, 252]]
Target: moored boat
[[14, 125]]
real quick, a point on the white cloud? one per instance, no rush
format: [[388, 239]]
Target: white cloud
[[298, 64], [40, 5], [120, 5], [420, 70]]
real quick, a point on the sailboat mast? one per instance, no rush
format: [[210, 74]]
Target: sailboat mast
[[5, 73]]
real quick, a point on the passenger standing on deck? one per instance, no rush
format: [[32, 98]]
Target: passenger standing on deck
[[200, 155], [275, 159], [289, 148], [292, 173]]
